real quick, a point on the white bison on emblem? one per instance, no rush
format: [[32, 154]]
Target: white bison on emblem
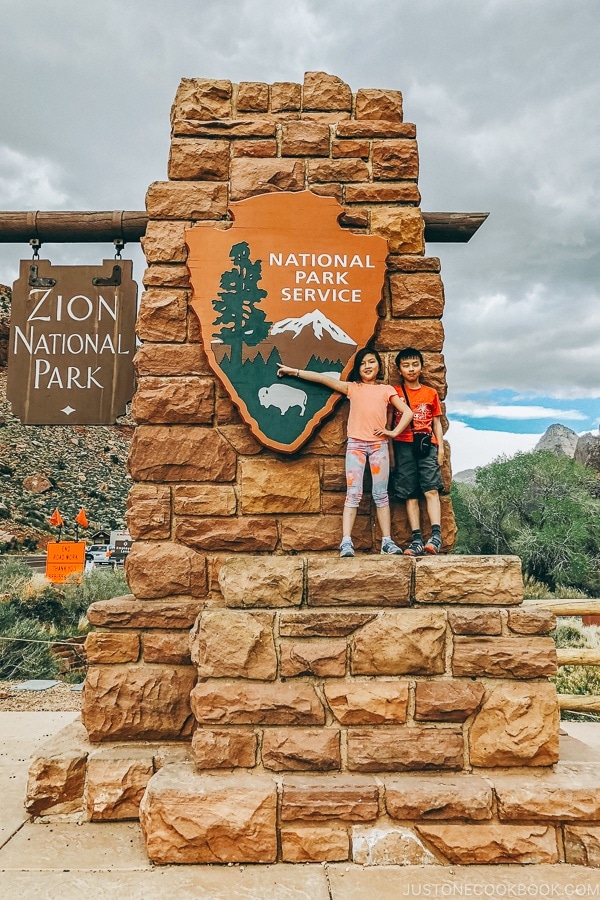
[[283, 397]]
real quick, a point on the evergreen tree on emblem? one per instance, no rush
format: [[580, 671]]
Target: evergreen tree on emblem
[[239, 320]]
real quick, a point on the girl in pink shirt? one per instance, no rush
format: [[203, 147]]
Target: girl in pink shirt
[[369, 400]]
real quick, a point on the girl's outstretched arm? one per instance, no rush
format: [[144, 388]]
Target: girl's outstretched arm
[[405, 418], [333, 384]]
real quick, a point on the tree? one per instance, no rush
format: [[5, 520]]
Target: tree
[[239, 320], [541, 507]]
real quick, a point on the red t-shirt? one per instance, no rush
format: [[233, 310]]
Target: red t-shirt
[[425, 404]]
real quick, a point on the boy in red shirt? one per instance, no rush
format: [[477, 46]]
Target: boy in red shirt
[[414, 476]]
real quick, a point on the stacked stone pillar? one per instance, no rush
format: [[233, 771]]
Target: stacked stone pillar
[[255, 698]]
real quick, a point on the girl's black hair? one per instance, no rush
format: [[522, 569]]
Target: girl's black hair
[[366, 351]]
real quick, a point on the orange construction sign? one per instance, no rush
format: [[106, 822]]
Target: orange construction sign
[[64, 558]]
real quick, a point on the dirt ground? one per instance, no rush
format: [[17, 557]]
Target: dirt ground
[[59, 698]]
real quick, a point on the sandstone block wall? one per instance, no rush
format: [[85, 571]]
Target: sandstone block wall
[[384, 711], [202, 480], [308, 663]]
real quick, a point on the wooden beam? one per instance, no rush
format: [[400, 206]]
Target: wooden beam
[[65, 226], [452, 227], [580, 702], [577, 656], [590, 607]]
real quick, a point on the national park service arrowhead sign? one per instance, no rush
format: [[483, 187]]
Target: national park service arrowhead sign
[[284, 284]]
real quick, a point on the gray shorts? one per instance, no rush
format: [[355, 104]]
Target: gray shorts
[[411, 477]]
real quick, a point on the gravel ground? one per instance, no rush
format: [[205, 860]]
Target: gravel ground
[[59, 698]]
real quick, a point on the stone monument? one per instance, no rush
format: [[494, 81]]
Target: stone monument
[[256, 698]]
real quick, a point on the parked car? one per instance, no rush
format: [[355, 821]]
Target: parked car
[[99, 554]]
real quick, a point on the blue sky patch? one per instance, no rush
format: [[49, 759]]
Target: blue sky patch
[[522, 414]]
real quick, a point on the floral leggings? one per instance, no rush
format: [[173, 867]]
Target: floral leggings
[[357, 453]]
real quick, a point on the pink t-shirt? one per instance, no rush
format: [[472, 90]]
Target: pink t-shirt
[[368, 409]]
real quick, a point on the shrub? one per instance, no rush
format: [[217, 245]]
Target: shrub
[[25, 653]]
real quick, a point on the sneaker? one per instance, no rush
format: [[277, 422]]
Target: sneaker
[[346, 547], [388, 546], [434, 544], [415, 548]]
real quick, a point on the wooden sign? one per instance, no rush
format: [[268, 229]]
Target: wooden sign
[[63, 559], [72, 341], [285, 284]]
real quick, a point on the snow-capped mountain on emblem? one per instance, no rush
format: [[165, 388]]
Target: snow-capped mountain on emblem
[[284, 284], [312, 335]]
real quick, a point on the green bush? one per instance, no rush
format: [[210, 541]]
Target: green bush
[[541, 507], [34, 614], [25, 653]]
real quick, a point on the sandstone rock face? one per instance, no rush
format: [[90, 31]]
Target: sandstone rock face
[[475, 621], [110, 647], [325, 92], [204, 500], [503, 657], [202, 98], [306, 843], [172, 648], [265, 581], [198, 159], [172, 200], [447, 701], [402, 228], [403, 749], [322, 658], [257, 704], [335, 797], [56, 779], [127, 612], [485, 580], [434, 797], [387, 845], [531, 621], [377, 582], [587, 451], [497, 844], [37, 484], [189, 818], [243, 535], [567, 794], [226, 748], [558, 439], [226, 643], [138, 702], [582, 845], [271, 486], [379, 104], [368, 702], [149, 511], [162, 400], [399, 642], [157, 569], [116, 781], [516, 726], [322, 624], [301, 749], [180, 453]]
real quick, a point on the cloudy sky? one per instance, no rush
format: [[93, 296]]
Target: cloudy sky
[[505, 97]]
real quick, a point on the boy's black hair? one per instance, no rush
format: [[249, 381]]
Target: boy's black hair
[[366, 351], [409, 353]]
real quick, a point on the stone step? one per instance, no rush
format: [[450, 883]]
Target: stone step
[[534, 817]]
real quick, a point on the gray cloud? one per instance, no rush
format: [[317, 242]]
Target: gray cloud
[[504, 95]]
